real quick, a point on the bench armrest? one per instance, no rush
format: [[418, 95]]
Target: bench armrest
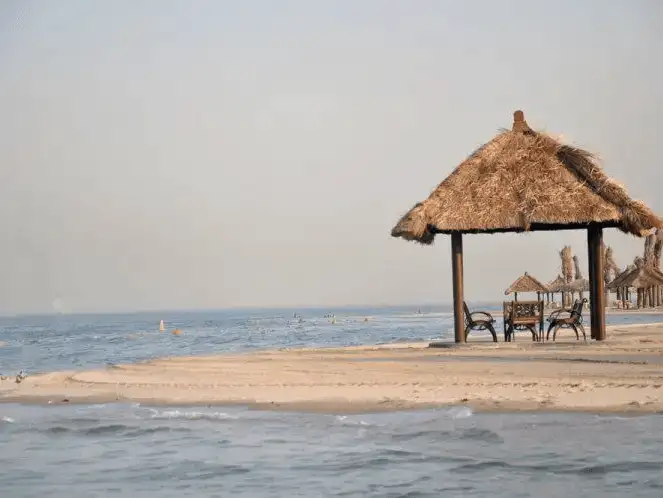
[[484, 313], [555, 314]]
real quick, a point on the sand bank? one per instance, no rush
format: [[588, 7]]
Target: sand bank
[[623, 374]]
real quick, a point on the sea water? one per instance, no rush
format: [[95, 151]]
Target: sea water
[[147, 451]]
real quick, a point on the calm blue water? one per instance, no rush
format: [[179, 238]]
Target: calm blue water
[[142, 451]]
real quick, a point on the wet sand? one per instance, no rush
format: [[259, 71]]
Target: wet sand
[[623, 374]]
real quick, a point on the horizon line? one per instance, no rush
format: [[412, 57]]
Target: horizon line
[[232, 308]]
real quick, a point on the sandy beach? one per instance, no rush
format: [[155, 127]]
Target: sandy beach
[[623, 374]]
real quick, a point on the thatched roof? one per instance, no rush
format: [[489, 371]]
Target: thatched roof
[[579, 285], [639, 277], [561, 285], [525, 180], [526, 283], [554, 285]]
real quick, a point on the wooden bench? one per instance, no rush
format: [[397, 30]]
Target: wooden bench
[[478, 320], [523, 315], [572, 321]]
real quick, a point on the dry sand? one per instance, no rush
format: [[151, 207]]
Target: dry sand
[[623, 374]]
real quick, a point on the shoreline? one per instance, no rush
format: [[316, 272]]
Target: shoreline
[[622, 375], [344, 407]]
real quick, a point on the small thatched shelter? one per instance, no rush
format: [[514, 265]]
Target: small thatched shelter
[[522, 181], [579, 285], [526, 283], [556, 285], [560, 285], [641, 277]]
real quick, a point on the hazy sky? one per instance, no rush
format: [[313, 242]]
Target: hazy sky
[[206, 154]]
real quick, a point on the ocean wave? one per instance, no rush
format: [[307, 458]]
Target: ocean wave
[[457, 412], [484, 435], [597, 471], [191, 415], [352, 422], [195, 470], [121, 430], [8, 420], [376, 459]]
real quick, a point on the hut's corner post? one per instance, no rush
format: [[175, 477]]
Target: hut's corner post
[[457, 275], [596, 283], [590, 266]]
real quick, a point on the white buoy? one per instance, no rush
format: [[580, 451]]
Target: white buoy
[[161, 327]]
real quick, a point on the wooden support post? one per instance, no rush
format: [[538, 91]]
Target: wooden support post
[[457, 275], [590, 266], [596, 282]]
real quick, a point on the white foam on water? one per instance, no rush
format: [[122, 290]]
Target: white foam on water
[[8, 420], [353, 421], [191, 415], [457, 412]]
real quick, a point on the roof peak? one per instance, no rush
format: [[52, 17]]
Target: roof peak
[[519, 123]]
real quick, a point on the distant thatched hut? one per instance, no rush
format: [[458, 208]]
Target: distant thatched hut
[[526, 283], [579, 285], [521, 181], [555, 286], [641, 277], [560, 285]]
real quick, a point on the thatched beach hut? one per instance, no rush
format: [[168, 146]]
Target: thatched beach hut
[[526, 283], [641, 277], [555, 286], [524, 181], [560, 285], [579, 285]]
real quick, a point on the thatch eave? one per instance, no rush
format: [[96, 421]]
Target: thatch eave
[[524, 181], [526, 283], [639, 278], [554, 286], [579, 285]]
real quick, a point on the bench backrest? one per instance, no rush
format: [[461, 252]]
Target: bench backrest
[[506, 312], [526, 311], [576, 310], [468, 315]]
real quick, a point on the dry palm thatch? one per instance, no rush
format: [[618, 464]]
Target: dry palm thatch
[[525, 180], [566, 256], [656, 242], [560, 285], [526, 283], [648, 255], [557, 285], [576, 265], [579, 285], [640, 277], [610, 268], [658, 248]]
